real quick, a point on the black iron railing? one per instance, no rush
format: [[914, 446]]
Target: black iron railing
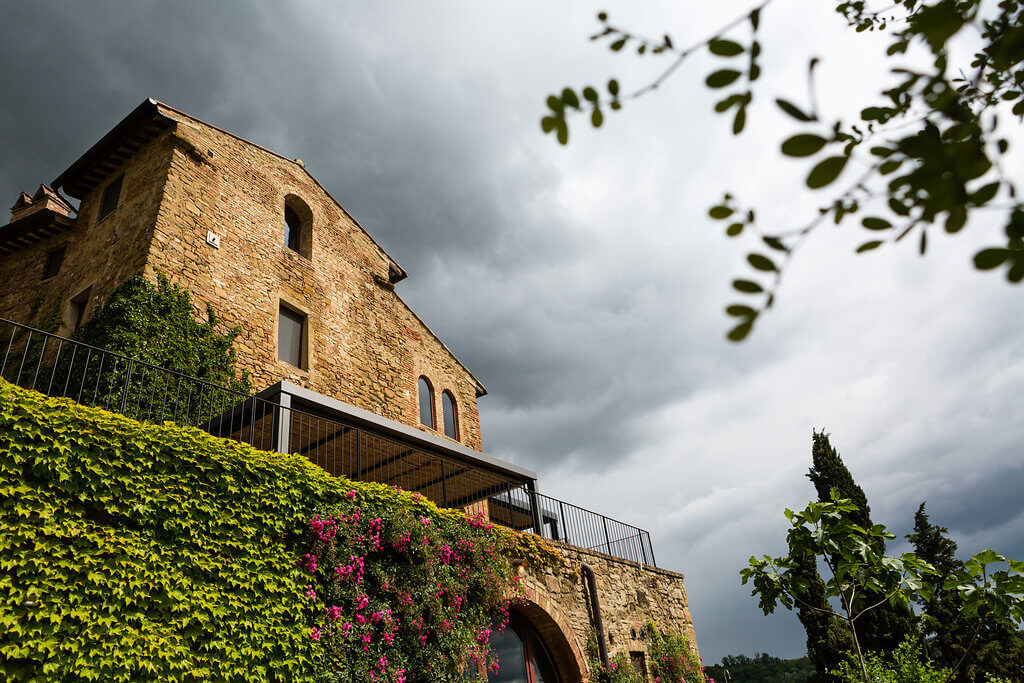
[[526, 510], [60, 367]]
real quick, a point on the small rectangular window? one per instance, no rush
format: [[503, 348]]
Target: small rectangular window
[[291, 334], [76, 310], [54, 260], [110, 196]]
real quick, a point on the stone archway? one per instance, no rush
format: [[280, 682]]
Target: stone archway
[[558, 636]]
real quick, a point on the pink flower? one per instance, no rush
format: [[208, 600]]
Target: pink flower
[[314, 634], [351, 495]]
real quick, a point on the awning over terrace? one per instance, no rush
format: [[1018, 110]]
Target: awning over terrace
[[354, 443]]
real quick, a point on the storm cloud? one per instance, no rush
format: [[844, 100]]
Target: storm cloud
[[584, 286]]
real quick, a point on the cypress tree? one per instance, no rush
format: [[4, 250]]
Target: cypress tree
[[883, 628], [995, 645]]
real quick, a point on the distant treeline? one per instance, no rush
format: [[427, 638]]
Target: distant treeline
[[760, 668]]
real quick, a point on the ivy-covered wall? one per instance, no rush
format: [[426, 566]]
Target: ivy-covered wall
[[131, 550]]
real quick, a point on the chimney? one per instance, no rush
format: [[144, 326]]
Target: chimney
[[44, 198]]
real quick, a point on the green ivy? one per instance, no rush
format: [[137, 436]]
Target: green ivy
[[141, 551]]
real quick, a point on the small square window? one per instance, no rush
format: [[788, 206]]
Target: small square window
[[54, 260], [110, 196], [291, 336]]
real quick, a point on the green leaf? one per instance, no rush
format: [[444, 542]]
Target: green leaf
[[873, 223], [956, 219], [985, 194], [988, 557], [563, 132], [726, 103], [793, 110], [868, 246], [803, 145], [618, 44], [937, 23], [589, 94], [724, 48], [775, 243], [740, 311], [741, 331], [613, 87], [889, 166], [739, 121], [548, 124], [569, 98], [596, 118], [747, 286], [721, 78], [987, 259], [825, 172], [755, 18], [761, 262], [734, 230], [720, 212]]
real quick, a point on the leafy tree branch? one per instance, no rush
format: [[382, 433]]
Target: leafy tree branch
[[932, 144]]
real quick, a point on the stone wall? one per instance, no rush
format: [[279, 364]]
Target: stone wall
[[365, 346], [629, 594], [100, 253]]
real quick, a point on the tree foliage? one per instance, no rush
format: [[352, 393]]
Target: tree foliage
[[979, 645], [156, 323], [929, 151], [886, 627], [859, 572], [761, 668]]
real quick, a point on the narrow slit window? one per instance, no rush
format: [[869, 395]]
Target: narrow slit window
[[291, 336], [111, 195], [426, 393], [292, 228], [451, 417]]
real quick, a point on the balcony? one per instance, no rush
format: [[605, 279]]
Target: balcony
[[342, 439]]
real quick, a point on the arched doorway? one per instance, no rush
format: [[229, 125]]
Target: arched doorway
[[522, 655]]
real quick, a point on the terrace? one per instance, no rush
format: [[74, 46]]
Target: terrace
[[342, 439]]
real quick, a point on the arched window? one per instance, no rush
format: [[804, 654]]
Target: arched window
[[451, 416], [426, 402], [522, 657], [292, 228], [298, 226]]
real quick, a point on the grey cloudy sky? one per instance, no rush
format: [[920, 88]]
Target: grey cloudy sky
[[585, 285]]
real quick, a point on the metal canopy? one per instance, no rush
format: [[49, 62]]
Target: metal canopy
[[350, 442]]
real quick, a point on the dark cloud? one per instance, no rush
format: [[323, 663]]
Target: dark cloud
[[584, 285]]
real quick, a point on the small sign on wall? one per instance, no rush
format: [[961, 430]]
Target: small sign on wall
[[213, 239]]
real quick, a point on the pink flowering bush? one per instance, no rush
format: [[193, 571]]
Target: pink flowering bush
[[403, 593], [672, 659]]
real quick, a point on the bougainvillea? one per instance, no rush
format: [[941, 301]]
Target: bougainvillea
[[672, 659], [395, 595]]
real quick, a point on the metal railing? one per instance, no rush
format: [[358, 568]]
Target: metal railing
[[526, 510], [60, 367]]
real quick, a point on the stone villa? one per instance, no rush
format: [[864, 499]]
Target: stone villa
[[326, 336]]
